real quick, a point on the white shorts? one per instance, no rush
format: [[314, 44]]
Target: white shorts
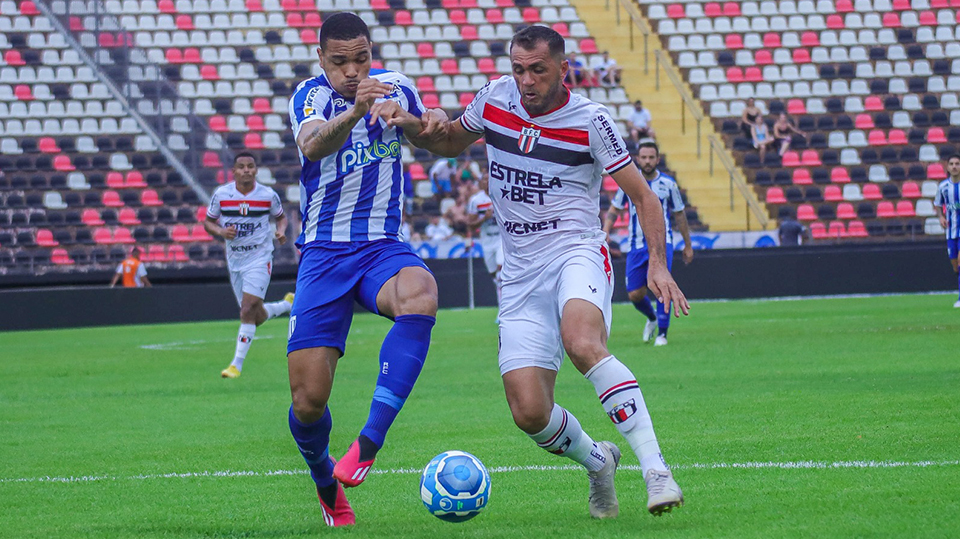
[[252, 278], [531, 306], [492, 252]]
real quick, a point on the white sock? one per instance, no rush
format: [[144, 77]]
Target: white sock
[[622, 400], [244, 339], [563, 436], [276, 308]]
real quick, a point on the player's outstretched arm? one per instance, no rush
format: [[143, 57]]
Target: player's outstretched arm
[[442, 136], [320, 138], [650, 214], [281, 233], [684, 227]]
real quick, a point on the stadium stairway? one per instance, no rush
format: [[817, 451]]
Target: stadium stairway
[[711, 194]]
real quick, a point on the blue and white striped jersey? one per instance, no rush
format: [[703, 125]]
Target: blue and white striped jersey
[[355, 194], [669, 194], [948, 197]]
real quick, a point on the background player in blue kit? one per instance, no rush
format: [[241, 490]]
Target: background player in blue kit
[[638, 257], [351, 200], [947, 202]]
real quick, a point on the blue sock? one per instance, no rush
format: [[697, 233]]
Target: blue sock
[[401, 359], [313, 441], [663, 319], [645, 308]]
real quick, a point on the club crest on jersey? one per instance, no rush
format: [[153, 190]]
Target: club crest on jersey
[[244, 208], [622, 412], [528, 139]]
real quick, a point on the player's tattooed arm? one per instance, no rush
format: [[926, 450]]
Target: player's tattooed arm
[[319, 139], [442, 136]]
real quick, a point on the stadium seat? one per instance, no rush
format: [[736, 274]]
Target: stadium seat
[[149, 197], [775, 196], [872, 192], [911, 190], [817, 230], [198, 233], [845, 211], [856, 229], [180, 233], [805, 212], [885, 209], [836, 230], [128, 217]]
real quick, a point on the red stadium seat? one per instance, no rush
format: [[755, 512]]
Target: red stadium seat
[[935, 135], [810, 39], [416, 172], [218, 124], [494, 16], [531, 15], [835, 22], [466, 98], [450, 4], [856, 230], [45, 238], [430, 101], [910, 190], [14, 58], [771, 40], [927, 18], [184, 22], [486, 66], [458, 16], [106, 40], [818, 231], [122, 235], [468, 4], [801, 56], [312, 20], [176, 254], [261, 105], [877, 138], [845, 211], [201, 214], [905, 209], [224, 178], [505, 3], [61, 163], [731, 9], [191, 55], [307, 5], [309, 36], [891, 20], [154, 254], [712, 9], [174, 56], [468, 33], [810, 158], [897, 136], [939, 4], [609, 185], [425, 84], [425, 50], [91, 217], [589, 46], [403, 18], [935, 171], [76, 24], [801, 176], [288, 5], [675, 11], [734, 74], [149, 197], [873, 103], [844, 6], [839, 175], [901, 5], [255, 123], [253, 141], [871, 191], [167, 6], [180, 233], [48, 145], [753, 74], [23, 92], [805, 212], [379, 5], [763, 57], [209, 72], [449, 67], [832, 193], [60, 257], [134, 179], [796, 106], [128, 217], [863, 121], [837, 230], [103, 236], [885, 209], [294, 19], [211, 160], [115, 180], [111, 199], [561, 28], [27, 7], [775, 196], [791, 159], [198, 233], [734, 41]]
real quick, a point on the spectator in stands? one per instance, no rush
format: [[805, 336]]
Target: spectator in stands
[[132, 271], [407, 231], [782, 130], [457, 215], [761, 137], [576, 72], [441, 177], [791, 232], [639, 123], [750, 116], [438, 229], [606, 70], [468, 171]]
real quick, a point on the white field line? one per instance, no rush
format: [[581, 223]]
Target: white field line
[[796, 465], [186, 345]]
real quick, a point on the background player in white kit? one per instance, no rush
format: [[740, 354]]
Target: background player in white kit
[[480, 211], [546, 148], [240, 213]]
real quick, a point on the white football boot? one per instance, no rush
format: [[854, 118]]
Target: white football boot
[[603, 494], [957, 304], [661, 341], [663, 493], [649, 329]]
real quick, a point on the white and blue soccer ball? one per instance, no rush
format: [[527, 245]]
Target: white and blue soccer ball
[[455, 486]]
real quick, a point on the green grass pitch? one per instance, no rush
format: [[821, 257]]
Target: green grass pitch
[[843, 399]]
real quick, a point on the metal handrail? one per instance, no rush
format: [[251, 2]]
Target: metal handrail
[[639, 23], [737, 179], [688, 101]]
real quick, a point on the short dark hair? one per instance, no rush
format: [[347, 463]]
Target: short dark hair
[[648, 144], [529, 37], [343, 26], [244, 154], [954, 156]]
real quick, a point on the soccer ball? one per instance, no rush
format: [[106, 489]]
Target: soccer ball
[[455, 486]]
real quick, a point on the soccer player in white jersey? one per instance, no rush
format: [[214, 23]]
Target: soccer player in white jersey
[[947, 202], [546, 148], [666, 189], [480, 214], [351, 201], [240, 213]]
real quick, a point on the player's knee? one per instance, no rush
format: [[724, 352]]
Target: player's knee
[[584, 351], [249, 312], [531, 419], [418, 296], [637, 295], [308, 406]]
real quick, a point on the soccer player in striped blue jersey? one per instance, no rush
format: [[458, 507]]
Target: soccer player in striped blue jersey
[[638, 258], [947, 202], [351, 200]]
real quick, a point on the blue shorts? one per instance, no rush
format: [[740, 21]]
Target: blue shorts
[[332, 275], [953, 247], [637, 264]]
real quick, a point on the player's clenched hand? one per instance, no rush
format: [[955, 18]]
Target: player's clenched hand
[[661, 282], [281, 237], [687, 254], [392, 113], [228, 233], [368, 91], [432, 122], [943, 222]]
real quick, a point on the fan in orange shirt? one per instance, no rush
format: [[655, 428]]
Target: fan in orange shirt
[[132, 271]]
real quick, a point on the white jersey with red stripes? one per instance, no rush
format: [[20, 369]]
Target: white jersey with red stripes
[[250, 213], [545, 171]]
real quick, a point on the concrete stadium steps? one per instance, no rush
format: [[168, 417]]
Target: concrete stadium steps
[[710, 194]]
